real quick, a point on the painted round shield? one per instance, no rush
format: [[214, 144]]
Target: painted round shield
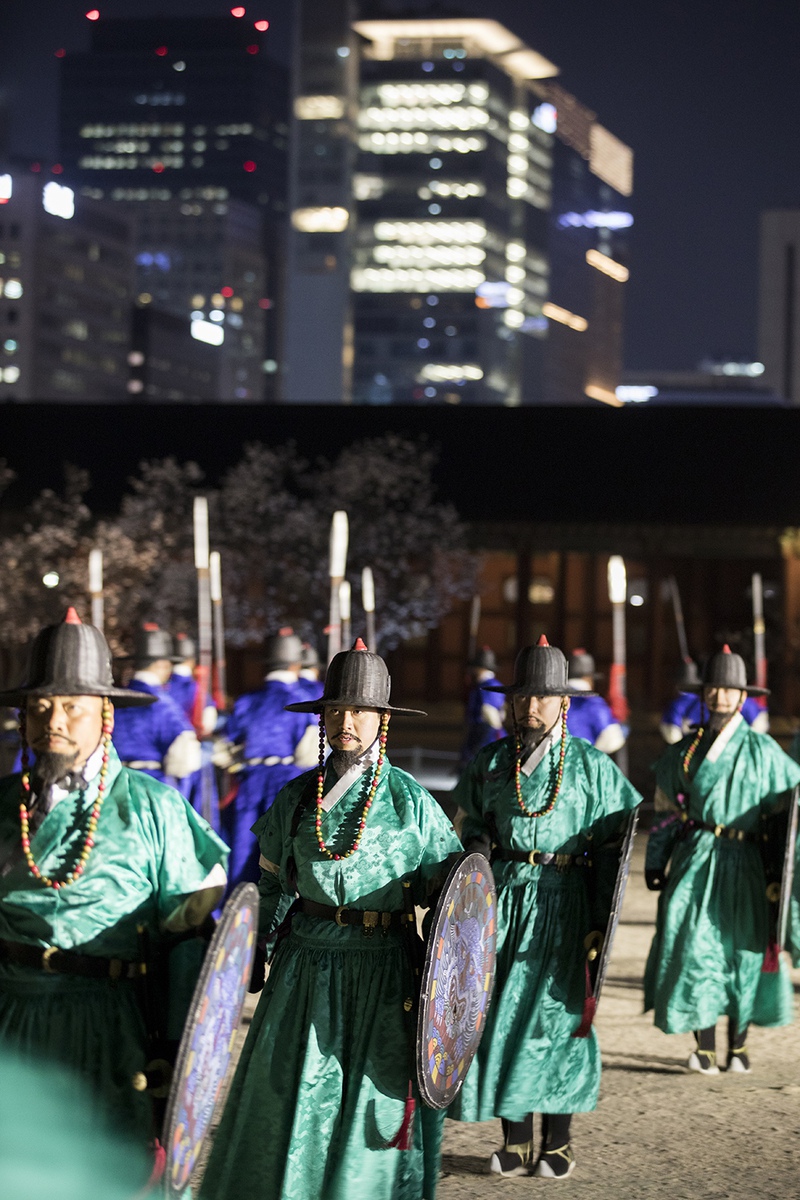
[[208, 1037], [457, 981]]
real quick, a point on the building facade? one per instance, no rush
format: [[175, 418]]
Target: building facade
[[183, 122], [779, 302], [481, 212], [66, 265]]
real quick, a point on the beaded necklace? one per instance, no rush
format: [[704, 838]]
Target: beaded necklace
[[370, 795], [548, 808], [24, 814], [690, 753]]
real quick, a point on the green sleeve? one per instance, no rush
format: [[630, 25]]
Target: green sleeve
[[667, 824], [468, 795], [440, 845], [274, 900], [187, 847]]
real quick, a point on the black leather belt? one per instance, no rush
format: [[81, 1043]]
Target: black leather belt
[[53, 961], [727, 832], [368, 919], [541, 858]]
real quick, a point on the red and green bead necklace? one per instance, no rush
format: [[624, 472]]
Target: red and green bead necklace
[[91, 829], [370, 795], [548, 808]]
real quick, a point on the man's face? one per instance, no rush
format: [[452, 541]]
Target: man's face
[[351, 730], [68, 726], [538, 713], [723, 700], [161, 668]]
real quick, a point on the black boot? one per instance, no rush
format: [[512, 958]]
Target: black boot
[[556, 1160], [738, 1058], [704, 1058], [516, 1156]]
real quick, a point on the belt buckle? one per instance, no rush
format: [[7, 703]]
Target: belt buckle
[[533, 857], [386, 922], [46, 956], [115, 969], [719, 830], [339, 915], [370, 920]]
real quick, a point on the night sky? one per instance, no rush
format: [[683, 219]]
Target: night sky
[[705, 93]]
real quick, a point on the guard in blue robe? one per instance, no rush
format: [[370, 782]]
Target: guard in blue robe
[[200, 787], [485, 709], [268, 746], [589, 716], [687, 710], [157, 739]]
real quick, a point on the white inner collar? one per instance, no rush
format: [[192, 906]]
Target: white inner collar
[[281, 676], [723, 737], [145, 676], [346, 781], [535, 757], [90, 769]]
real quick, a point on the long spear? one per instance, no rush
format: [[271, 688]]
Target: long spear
[[617, 683], [204, 634], [759, 640], [220, 680], [474, 622], [677, 608], [96, 588], [337, 564], [344, 609], [368, 602]]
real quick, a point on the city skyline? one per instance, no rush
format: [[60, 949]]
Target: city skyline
[[668, 82]]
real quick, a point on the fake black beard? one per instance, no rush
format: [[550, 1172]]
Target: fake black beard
[[343, 760], [51, 768], [531, 737]]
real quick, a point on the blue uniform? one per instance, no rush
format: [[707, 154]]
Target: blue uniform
[[480, 732], [144, 735], [183, 690], [687, 710], [588, 717], [312, 688], [260, 725]]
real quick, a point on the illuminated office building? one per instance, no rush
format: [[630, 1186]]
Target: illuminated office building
[[184, 122], [66, 287], [457, 218], [779, 302]]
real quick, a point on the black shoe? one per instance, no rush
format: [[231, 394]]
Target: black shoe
[[739, 1061], [558, 1163], [512, 1161]]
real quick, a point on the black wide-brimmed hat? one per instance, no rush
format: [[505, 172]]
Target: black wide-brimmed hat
[[687, 676], [309, 658], [484, 658], [151, 643], [356, 679], [283, 649], [540, 670], [726, 670], [185, 647], [581, 664], [71, 659]]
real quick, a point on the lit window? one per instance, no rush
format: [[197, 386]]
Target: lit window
[[555, 313], [57, 200], [318, 108], [449, 373], [13, 289], [204, 331], [513, 318], [320, 220], [11, 374], [607, 265]]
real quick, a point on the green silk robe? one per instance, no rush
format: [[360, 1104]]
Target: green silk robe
[[321, 1085], [151, 852], [528, 1060], [712, 925]]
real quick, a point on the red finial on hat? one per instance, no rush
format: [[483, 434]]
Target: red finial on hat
[[726, 649], [150, 627], [286, 631], [72, 617], [579, 650], [543, 641], [359, 645]]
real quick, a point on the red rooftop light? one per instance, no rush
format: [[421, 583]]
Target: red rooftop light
[[227, 292], [158, 167], [262, 26], [238, 11], [161, 51], [93, 14], [252, 49], [264, 303], [249, 166], [60, 53], [36, 167], [57, 169]]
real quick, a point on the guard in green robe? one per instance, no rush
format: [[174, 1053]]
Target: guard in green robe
[[710, 956], [322, 1100], [551, 811], [98, 863]]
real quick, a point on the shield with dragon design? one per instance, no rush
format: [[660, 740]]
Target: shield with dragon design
[[208, 1037], [457, 980]]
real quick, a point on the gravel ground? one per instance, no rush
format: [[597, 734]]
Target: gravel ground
[[659, 1132]]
